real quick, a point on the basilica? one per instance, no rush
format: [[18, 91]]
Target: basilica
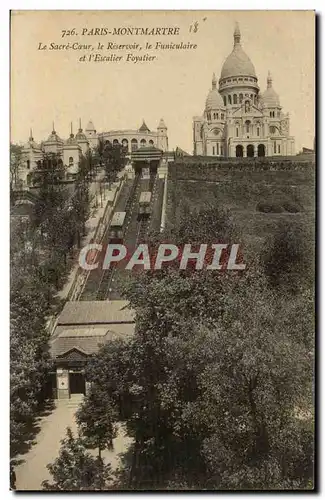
[[238, 119]]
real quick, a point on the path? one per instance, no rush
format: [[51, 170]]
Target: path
[[33, 471]]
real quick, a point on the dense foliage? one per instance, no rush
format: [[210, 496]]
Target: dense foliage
[[39, 263], [216, 385], [75, 469], [111, 157]]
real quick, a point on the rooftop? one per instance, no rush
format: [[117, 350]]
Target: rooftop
[[96, 312], [85, 339]]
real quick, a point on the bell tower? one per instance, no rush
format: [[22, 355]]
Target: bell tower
[[162, 139]]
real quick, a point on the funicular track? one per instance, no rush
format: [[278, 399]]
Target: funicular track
[[144, 222], [107, 275], [96, 281], [136, 230]]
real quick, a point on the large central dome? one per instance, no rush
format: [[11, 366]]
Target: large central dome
[[237, 63]]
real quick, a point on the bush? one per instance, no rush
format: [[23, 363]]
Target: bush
[[269, 207], [292, 208], [276, 208]]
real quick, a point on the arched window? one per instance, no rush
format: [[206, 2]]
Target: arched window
[[125, 144], [237, 132], [225, 100], [258, 131], [217, 116], [229, 99], [240, 98], [107, 142], [247, 125], [272, 130], [143, 143], [115, 142], [134, 144], [28, 164], [235, 98], [151, 142], [70, 161]]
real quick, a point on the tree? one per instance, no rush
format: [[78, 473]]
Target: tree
[[111, 157], [50, 171], [15, 163], [215, 386], [96, 419], [288, 258], [29, 306], [75, 469]]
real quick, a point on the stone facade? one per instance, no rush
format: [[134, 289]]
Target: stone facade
[[238, 120]]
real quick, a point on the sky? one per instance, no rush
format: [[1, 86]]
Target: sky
[[54, 85]]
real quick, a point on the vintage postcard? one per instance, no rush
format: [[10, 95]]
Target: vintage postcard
[[162, 208]]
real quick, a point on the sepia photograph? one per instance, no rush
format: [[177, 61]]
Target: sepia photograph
[[162, 195]]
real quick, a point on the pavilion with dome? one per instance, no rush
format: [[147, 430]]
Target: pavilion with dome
[[239, 120], [72, 149]]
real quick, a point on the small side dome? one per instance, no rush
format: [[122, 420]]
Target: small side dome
[[80, 136], [53, 137], [214, 99], [270, 98], [72, 140]]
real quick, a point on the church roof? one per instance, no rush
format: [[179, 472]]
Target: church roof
[[144, 127], [237, 63], [270, 98]]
